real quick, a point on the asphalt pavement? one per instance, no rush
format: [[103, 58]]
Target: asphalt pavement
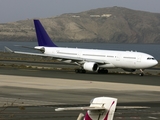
[[25, 103]]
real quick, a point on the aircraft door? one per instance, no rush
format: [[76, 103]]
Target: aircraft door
[[79, 54], [139, 58], [118, 57]]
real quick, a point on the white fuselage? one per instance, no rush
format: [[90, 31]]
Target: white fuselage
[[111, 58]]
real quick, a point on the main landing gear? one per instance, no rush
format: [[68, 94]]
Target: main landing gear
[[103, 71], [142, 72], [100, 71], [80, 71]]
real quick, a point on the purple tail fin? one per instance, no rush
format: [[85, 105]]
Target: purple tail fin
[[42, 36]]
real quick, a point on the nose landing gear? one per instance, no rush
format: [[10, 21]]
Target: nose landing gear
[[142, 72]]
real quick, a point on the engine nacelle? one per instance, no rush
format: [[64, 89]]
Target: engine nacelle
[[90, 66], [129, 70]]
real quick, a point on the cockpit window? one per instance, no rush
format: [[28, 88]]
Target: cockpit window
[[149, 58]]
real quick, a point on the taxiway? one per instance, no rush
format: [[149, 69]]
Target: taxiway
[[34, 94]]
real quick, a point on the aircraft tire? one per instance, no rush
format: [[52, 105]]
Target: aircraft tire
[[141, 74], [76, 70], [80, 71], [106, 71], [83, 71], [103, 71]]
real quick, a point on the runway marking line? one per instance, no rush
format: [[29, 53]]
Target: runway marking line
[[155, 118]]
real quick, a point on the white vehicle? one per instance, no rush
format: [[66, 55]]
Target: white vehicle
[[91, 59], [101, 108]]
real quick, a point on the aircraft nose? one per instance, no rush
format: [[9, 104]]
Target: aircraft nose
[[156, 62], [152, 63]]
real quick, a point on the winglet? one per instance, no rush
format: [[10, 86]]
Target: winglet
[[9, 50], [42, 36]]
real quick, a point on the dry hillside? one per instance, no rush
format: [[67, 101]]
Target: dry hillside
[[112, 25]]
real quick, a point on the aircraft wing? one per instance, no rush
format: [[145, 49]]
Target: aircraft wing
[[80, 108], [131, 107], [99, 108], [74, 59]]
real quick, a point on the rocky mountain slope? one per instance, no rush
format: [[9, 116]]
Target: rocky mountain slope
[[111, 25]]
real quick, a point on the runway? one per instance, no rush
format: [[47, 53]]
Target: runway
[[70, 74], [34, 94]]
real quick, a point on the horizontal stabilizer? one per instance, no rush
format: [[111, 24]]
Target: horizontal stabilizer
[[99, 108], [131, 107], [24, 46], [80, 108]]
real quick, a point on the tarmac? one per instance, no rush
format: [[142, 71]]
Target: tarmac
[[33, 94]]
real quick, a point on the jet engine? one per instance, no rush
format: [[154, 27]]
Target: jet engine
[[129, 70], [90, 66]]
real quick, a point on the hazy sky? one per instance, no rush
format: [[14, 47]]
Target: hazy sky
[[13, 10]]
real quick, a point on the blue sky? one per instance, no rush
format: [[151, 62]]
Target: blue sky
[[14, 10]]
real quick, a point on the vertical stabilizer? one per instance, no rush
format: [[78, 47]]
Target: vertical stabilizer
[[102, 102], [42, 36]]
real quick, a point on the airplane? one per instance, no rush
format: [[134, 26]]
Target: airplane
[[90, 59], [101, 108]]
